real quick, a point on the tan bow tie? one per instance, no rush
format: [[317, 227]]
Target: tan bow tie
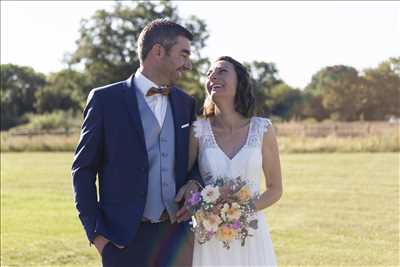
[[164, 90]]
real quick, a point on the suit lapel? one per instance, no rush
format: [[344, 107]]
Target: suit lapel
[[132, 106]]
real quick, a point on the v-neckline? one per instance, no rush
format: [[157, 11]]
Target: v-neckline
[[220, 148]]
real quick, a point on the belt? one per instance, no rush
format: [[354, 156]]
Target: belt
[[164, 217]]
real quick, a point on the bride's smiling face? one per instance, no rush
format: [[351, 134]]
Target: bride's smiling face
[[221, 80]]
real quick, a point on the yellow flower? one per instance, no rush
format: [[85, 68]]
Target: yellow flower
[[231, 212], [226, 233], [211, 222], [244, 194], [200, 216], [234, 212]]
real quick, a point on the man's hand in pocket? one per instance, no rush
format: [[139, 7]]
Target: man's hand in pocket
[[100, 242]]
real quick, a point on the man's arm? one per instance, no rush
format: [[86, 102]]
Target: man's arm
[[87, 160], [193, 179], [194, 173]]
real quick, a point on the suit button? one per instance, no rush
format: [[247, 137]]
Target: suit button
[[143, 169]]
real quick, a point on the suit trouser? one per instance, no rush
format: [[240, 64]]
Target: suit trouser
[[155, 245]]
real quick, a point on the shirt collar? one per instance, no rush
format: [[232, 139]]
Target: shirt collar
[[143, 83]]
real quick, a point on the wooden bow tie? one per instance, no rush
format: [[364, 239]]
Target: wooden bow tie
[[164, 90]]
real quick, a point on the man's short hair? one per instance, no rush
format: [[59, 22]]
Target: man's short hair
[[160, 31]]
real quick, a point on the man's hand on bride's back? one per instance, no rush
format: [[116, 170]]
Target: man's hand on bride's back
[[184, 194]]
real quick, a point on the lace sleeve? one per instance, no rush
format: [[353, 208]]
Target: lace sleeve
[[198, 128], [265, 124], [259, 127]]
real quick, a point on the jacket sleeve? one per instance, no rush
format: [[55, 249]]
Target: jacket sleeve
[[194, 173], [86, 165]]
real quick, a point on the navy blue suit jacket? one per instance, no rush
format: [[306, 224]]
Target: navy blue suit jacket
[[112, 147]]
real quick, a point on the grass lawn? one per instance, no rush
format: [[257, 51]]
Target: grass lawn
[[337, 210]]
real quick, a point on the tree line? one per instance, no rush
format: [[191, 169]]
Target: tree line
[[106, 51]]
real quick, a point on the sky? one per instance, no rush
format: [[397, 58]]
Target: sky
[[299, 37]]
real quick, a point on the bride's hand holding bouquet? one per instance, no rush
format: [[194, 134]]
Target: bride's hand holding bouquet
[[223, 210]]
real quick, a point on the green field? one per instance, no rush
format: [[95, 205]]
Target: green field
[[337, 210]]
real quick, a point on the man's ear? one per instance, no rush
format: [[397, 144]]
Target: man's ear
[[158, 51]]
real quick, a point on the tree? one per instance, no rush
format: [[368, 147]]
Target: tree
[[381, 91], [65, 90], [284, 101], [18, 87], [338, 89], [312, 107], [264, 77], [394, 64], [108, 40]]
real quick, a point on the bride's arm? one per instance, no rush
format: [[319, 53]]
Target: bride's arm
[[272, 171], [193, 147]]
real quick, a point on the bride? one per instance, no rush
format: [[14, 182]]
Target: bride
[[230, 142]]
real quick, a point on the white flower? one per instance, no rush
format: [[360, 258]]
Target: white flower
[[224, 210], [210, 194]]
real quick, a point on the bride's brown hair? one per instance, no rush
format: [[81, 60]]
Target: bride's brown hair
[[244, 99]]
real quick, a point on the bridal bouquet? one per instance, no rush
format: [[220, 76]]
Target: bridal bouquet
[[224, 210]]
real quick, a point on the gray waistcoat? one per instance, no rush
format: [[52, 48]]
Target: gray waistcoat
[[160, 145]]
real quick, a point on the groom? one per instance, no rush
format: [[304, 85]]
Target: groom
[[135, 139]]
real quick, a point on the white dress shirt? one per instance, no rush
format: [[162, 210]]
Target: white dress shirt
[[158, 102]]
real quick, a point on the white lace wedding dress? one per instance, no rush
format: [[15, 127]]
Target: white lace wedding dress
[[247, 163]]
